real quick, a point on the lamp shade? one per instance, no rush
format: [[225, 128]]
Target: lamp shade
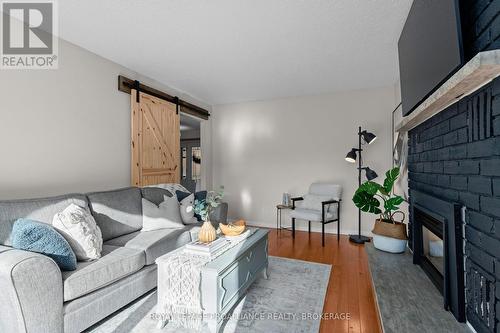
[[368, 137], [351, 156], [370, 174]]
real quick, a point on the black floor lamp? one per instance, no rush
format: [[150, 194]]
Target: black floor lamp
[[351, 157]]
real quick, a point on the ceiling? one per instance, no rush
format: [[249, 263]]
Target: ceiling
[[226, 51]]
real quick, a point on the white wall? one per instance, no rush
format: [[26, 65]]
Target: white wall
[[192, 134], [66, 130], [206, 154], [402, 184], [262, 149]]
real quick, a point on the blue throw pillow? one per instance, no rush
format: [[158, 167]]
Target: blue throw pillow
[[42, 238], [201, 195]]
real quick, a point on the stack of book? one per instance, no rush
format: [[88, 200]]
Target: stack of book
[[247, 233], [207, 249]]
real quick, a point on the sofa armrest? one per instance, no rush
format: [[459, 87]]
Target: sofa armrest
[[32, 293], [219, 215]]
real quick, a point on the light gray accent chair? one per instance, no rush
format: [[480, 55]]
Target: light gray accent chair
[[328, 211], [37, 297]]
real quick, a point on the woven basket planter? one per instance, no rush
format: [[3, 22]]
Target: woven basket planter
[[394, 230], [389, 237]]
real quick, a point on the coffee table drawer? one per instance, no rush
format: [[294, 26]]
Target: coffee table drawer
[[234, 281], [225, 280]]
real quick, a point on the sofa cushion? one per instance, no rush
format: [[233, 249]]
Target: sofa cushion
[[171, 187], [116, 262], [117, 212], [85, 311], [154, 243], [155, 194], [42, 210], [312, 215], [164, 216], [5, 248]]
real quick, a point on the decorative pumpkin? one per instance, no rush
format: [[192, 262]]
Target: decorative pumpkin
[[207, 233], [240, 222], [233, 229]]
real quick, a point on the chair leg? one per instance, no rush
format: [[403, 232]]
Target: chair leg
[[338, 229], [277, 227], [322, 234], [293, 227], [309, 226], [338, 222]]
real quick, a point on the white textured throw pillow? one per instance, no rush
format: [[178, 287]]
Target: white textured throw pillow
[[165, 216], [79, 228], [313, 201], [187, 210]]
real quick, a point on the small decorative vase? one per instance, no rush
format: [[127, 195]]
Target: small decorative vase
[[207, 233]]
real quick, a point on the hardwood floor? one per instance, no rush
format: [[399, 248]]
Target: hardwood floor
[[350, 291]]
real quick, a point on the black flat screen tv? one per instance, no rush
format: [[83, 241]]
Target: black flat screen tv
[[430, 49]]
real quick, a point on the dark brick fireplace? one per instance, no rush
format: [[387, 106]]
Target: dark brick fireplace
[[455, 157], [437, 236]]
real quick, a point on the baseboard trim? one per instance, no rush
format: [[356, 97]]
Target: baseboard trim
[[315, 227]]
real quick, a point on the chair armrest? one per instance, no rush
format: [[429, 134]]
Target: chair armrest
[[329, 202], [32, 293], [296, 199]]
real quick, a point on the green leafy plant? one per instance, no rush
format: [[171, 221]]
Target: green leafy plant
[[207, 206], [374, 198]]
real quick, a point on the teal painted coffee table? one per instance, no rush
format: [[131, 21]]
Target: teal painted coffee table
[[225, 280]]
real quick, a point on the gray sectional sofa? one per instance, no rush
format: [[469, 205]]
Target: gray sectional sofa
[[36, 297]]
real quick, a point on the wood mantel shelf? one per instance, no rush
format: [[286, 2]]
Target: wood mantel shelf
[[480, 70]]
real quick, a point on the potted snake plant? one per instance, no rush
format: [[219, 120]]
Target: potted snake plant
[[388, 234]]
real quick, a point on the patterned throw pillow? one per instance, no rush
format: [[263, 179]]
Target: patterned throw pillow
[[187, 210], [201, 195], [42, 238], [79, 228]]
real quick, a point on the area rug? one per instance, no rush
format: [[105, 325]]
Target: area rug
[[291, 300]]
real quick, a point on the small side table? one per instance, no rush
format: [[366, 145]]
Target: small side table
[[279, 208]]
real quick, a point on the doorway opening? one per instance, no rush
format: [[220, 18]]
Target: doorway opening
[[190, 152]]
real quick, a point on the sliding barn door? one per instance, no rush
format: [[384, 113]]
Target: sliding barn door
[[155, 141]]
